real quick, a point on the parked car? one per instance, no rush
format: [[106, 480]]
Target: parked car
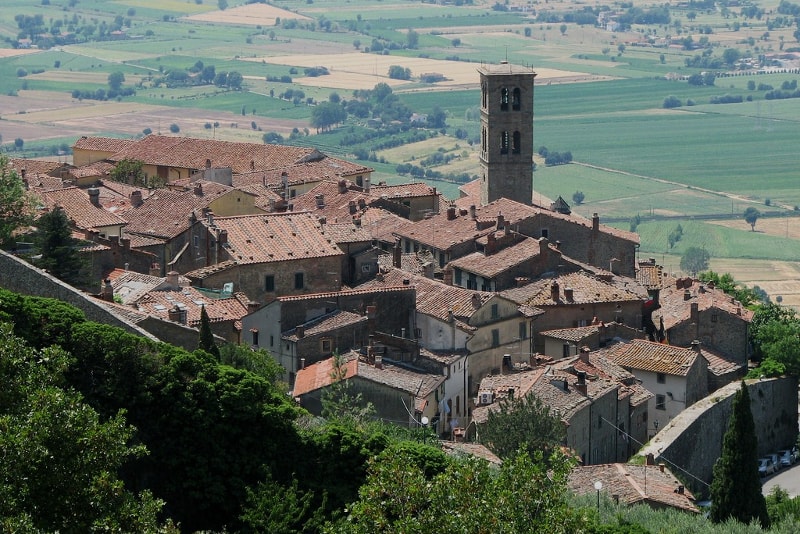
[[766, 467], [776, 460], [786, 457]]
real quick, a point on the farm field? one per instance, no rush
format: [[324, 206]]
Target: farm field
[[631, 155]]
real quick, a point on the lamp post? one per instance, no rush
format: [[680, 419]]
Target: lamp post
[[598, 486]]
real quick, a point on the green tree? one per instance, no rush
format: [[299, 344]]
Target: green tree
[[326, 115], [174, 128], [736, 488], [16, 204], [694, 260], [751, 215], [730, 56], [129, 171], [58, 250], [115, 80], [396, 72], [522, 424], [235, 80], [578, 197], [338, 403], [522, 495], [222, 4], [59, 457], [272, 507], [206, 341], [563, 29], [412, 39]]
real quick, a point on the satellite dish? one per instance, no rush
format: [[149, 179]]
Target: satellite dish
[[424, 421]]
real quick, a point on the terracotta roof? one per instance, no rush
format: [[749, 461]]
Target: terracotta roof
[[571, 334], [346, 233], [633, 484], [325, 324], [498, 386], [718, 364], [190, 153], [80, 210], [344, 292], [129, 286], [567, 402], [98, 168], [491, 265], [412, 262], [675, 309], [598, 366], [158, 303], [650, 356], [382, 224], [319, 375], [586, 289], [103, 144], [458, 448], [649, 275], [275, 237], [434, 298], [326, 199], [44, 182], [33, 166], [165, 213], [409, 190]]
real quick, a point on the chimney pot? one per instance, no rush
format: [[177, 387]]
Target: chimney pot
[[595, 222], [554, 293]]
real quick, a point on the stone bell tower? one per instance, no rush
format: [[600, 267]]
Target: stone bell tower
[[506, 155]]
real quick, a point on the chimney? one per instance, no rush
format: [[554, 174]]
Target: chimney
[[300, 331], [650, 459], [491, 244], [696, 346], [155, 269], [554, 291], [136, 198], [687, 282], [362, 204], [172, 279], [302, 363], [451, 213], [687, 295], [522, 281], [584, 356], [595, 222], [252, 306], [695, 312], [568, 294], [320, 201], [397, 254], [357, 222], [126, 244], [108, 291], [94, 196], [372, 312], [352, 206], [581, 386], [428, 270], [680, 489], [447, 276], [472, 212], [679, 283], [367, 185], [661, 467], [222, 238], [342, 186], [198, 189], [378, 360], [323, 221], [500, 221], [208, 164], [711, 284], [176, 315]]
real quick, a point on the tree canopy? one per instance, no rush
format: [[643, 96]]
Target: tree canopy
[[736, 488], [694, 260], [751, 215], [58, 250], [16, 204]]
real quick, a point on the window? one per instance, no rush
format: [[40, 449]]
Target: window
[[523, 330], [545, 233], [366, 268], [714, 317], [196, 241], [516, 143], [565, 352], [299, 280], [661, 402], [661, 378], [472, 283], [504, 99], [495, 337], [269, 282], [325, 345], [255, 336], [495, 313], [515, 99], [599, 421], [271, 341], [504, 142], [457, 276]]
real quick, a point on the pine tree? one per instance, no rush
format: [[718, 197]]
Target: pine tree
[[59, 250], [736, 488], [206, 336]]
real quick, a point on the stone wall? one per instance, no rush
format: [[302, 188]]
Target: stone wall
[[21, 277], [692, 441]]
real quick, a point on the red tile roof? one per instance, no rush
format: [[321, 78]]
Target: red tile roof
[[586, 289], [650, 356], [103, 144], [325, 324], [158, 303], [675, 309], [491, 265], [633, 484], [80, 210]]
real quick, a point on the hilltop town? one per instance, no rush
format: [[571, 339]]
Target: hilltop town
[[434, 310]]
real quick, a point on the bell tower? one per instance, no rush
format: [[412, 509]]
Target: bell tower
[[506, 155]]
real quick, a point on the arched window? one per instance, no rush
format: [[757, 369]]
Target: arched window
[[484, 99], [516, 143], [504, 99], [504, 142], [483, 139], [515, 99]]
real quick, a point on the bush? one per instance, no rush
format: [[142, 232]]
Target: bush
[[174, 128], [21, 73]]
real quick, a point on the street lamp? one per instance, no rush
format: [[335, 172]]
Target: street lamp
[[598, 486]]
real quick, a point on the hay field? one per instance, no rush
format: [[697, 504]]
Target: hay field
[[778, 226], [777, 278], [249, 15], [352, 70], [12, 52]]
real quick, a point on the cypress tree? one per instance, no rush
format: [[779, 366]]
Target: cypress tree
[[736, 488], [206, 336]]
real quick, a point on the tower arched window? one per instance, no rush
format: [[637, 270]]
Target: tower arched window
[[516, 143], [504, 99], [483, 139], [516, 99], [504, 142], [484, 99]]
